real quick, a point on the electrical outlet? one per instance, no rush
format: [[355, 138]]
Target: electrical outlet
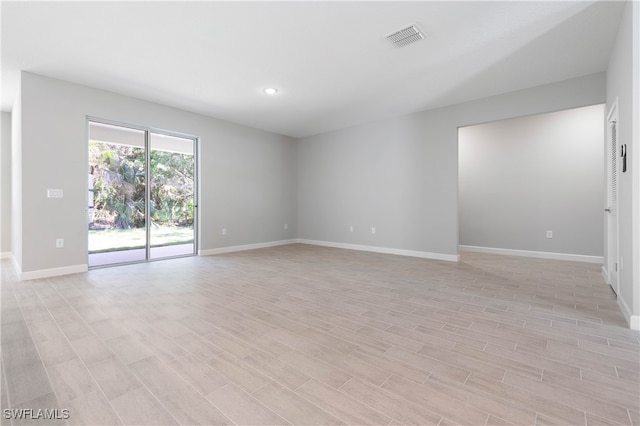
[[286, 226], [59, 242], [373, 230], [549, 234], [351, 228], [224, 231]]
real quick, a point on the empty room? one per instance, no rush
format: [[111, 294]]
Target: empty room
[[320, 212]]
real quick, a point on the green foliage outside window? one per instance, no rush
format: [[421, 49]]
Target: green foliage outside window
[[118, 174]]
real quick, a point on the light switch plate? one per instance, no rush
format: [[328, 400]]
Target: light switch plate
[[54, 193]]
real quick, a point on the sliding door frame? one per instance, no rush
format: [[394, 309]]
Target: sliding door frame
[[196, 189]]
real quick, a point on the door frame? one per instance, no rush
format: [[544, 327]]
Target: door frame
[[196, 190], [612, 218]]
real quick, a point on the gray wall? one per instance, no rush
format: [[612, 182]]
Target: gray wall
[[390, 175], [247, 176], [521, 177], [16, 182], [5, 183], [620, 79], [401, 175], [397, 175]]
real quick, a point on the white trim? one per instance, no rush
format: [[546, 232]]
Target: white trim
[[612, 224], [399, 252], [6, 255], [632, 320], [53, 272], [537, 254], [605, 274], [232, 249], [15, 265]]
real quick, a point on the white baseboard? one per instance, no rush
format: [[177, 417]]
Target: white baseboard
[[232, 249], [53, 272], [15, 265], [5, 255], [605, 274], [632, 320], [44, 273], [385, 250], [536, 254]]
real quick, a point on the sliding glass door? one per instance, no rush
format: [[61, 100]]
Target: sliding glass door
[[172, 196], [141, 201], [117, 217]]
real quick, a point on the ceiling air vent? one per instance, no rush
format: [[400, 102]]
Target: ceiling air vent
[[406, 36]]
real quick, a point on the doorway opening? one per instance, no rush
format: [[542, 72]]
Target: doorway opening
[[533, 185], [141, 194]]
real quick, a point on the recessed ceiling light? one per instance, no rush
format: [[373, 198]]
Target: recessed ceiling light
[[270, 91]]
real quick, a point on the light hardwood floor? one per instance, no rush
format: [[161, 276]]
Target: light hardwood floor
[[311, 335]]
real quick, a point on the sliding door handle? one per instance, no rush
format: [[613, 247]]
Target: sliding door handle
[[607, 210]]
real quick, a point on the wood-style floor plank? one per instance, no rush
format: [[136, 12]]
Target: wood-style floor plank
[[312, 335]]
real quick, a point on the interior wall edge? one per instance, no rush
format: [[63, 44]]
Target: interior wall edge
[[635, 161]]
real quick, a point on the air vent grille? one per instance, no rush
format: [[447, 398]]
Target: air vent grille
[[406, 36]]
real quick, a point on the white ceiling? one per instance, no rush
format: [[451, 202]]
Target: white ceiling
[[330, 61]]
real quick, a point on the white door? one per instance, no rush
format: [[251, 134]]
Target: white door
[[611, 210]]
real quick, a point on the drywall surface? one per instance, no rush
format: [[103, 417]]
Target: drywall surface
[[401, 175], [522, 177], [5, 183], [391, 176], [620, 78], [247, 176]]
